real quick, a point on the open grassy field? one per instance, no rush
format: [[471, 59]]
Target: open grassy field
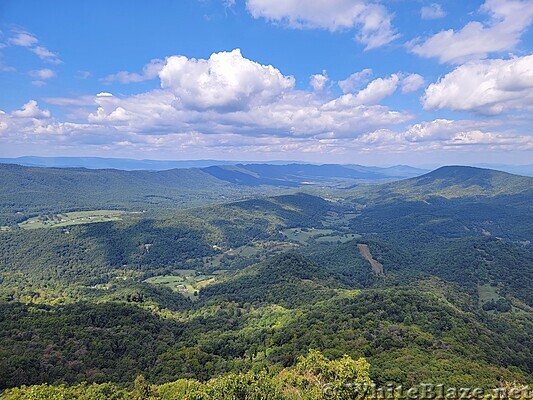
[[187, 282], [343, 238], [72, 218], [302, 235], [335, 219], [488, 293]]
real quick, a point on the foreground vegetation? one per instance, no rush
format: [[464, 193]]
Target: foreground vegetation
[[313, 377]]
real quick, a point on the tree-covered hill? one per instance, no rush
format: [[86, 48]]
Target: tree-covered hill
[[455, 182], [236, 290], [298, 174], [289, 280], [28, 191]]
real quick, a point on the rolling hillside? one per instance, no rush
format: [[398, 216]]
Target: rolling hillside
[[457, 181], [28, 191], [34, 191], [306, 174], [252, 285]]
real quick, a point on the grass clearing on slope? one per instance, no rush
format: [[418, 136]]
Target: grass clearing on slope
[[72, 218], [187, 282]]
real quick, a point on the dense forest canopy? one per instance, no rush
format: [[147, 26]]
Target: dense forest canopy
[[264, 294]]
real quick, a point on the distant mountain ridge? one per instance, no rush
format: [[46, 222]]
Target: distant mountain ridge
[[42, 190], [48, 190], [304, 174], [276, 168], [125, 164]]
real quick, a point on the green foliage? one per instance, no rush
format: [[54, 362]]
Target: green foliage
[[28, 191], [315, 377], [85, 306], [455, 182]]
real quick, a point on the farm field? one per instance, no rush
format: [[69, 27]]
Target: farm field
[[187, 282], [255, 250], [343, 238], [72, 218], [304, 235], [488, 293], [335, 219], [219, 260]]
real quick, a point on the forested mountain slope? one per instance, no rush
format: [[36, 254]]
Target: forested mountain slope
[[455, 182], [253, 285], [28, 191]]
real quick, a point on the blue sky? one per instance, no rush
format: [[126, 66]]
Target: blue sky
[[351, 81]]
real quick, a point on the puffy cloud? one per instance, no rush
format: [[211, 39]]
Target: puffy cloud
[[375, 91], [355, 81], [226, 81], [433, 11], [378, 89], [150, 71], [412, 82], [228, 94], [41, 76], [447, 134], [488, 87], [296, 114], [372, 20], [319, 81], [31, 110], [338, 132], [223, 103], [508, 21]]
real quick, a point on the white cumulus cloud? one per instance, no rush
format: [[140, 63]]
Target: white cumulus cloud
[[30, 41], [447, 134], [225, 103], [508, 20], [319, 81], [226, 81], [488, 87], [23, 39], [375, 91], [43, 74], [371, 20], [31, 110], [46, 55], [433, 11], [412, 82], [355, 81]]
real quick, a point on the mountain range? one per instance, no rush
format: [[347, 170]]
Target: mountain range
[[234, 273]]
